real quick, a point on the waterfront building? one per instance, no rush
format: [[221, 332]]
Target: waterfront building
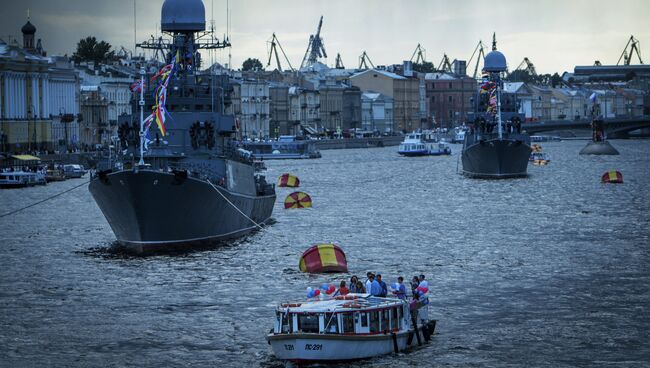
[[25, 116], [405, 92], [340, 106], [376, 112], [251, 106], [279, 110], [63, 98], [450, 97], [304, 111], [94, 128]]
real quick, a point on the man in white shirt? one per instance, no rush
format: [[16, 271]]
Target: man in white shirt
[[371, 277]]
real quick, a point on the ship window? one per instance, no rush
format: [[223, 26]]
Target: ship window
[[364, 319], [348, 322], [374, 321], [308, 323], [331, 323], [384, 319]]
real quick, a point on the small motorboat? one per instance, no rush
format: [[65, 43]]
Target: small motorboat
[[424, 143], [348, 327]]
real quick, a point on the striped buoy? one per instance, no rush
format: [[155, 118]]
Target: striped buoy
[[614, 177], [297, 200], [289, 181]]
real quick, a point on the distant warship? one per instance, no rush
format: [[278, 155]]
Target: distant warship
[[494, 149], [181, 180]]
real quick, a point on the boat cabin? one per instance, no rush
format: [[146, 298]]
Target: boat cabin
[[348, 315]]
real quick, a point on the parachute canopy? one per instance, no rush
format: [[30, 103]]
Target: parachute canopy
[[612, 177], [323, 258], [288, 180], [297, 200]]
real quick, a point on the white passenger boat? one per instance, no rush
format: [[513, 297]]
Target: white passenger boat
[[19, 179], [349, 327], [419, 144]]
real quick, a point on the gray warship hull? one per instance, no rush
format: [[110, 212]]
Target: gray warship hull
[[496, 159], [150, 210]]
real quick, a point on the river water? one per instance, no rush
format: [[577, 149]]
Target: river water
[[551, 270]]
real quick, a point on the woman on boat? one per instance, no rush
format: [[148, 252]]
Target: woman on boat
[[343, 290], [353, 284], [360, 288]]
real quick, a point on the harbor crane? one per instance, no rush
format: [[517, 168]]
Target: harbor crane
[[480, 48], [445, 65], [339, 62], [315, 49], [275, 44], [420, 53], [530, 68], [635, 46], [364, 60]]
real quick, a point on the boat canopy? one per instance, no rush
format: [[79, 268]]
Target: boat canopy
[[26, 158]]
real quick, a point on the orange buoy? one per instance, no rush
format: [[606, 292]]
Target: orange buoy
[[323, 258], [614, 177], [289, 181], [297, 200]]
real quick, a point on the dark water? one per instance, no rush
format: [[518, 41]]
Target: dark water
[[552, 270]]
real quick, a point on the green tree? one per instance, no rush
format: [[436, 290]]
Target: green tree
[[88, 49], [251, 64], [425, 67]]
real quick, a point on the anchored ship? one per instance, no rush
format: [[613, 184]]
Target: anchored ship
[[181, 179], [495, 149]]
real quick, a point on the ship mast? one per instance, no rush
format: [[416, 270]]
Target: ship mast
[[141, 103]]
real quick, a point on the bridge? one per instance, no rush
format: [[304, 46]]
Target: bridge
[[615, 128]]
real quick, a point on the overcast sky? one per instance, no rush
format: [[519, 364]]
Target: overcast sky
[[555, 35]]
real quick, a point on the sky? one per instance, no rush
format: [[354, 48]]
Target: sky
[[555, 35]]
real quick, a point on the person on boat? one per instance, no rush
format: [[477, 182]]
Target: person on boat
[[343, 290], [415, 282], [384, 287], [353, 284], [401, 289], [360, 288], [370, 277], [375, 287]]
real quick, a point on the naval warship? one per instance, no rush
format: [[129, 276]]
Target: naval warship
[[495, 147], [181, 179]]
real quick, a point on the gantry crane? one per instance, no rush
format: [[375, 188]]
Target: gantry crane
[[445, 65], [634, 46], [339, 62], [364, 60], [275, 43], [480, 48], [315, 49], [530, 68], [420, 53]]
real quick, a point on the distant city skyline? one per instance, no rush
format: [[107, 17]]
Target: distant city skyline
[[555, 35]]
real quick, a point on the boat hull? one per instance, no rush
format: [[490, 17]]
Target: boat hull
[[331, 348], [414, 153], [496, 159], [151, 210]]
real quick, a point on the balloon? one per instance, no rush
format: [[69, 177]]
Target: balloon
[[309, 289], [330, 289], [310, 293], [316, 292], [425, 290], [324, 286]]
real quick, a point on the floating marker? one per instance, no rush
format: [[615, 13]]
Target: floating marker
[[297, 200], [614, 177], [289, 181], [321, 258]]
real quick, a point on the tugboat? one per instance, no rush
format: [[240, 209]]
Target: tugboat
[[504, 153], [347, 327], [181, 180]]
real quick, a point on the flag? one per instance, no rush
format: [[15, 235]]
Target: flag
[[592, 98], [137, 86]]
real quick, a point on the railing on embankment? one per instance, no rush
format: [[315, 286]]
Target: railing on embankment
[[343, 143]]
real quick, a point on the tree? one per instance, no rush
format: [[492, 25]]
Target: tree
[[251, 64], [425, 67], [88, 49]]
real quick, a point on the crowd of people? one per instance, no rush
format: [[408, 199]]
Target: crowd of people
[[376, 286]]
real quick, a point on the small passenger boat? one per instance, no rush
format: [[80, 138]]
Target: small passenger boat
[[423, 144], [20, 179], [347, 327]]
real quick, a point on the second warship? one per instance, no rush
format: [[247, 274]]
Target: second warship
[[181, 179], [504, 153]]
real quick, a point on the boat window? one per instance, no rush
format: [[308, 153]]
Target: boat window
[[364, 319], [331, 323], [348, 322], [394, 319], [284, 319], [308, 323], [384, 319], [400, 313], [374, 321]]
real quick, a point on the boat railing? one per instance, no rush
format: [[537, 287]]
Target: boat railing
[[477, 137]]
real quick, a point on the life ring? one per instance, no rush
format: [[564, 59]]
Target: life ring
[[291, 305], [351, 305], [346, 297]]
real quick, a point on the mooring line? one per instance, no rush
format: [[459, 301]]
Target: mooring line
[[44, 200]]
